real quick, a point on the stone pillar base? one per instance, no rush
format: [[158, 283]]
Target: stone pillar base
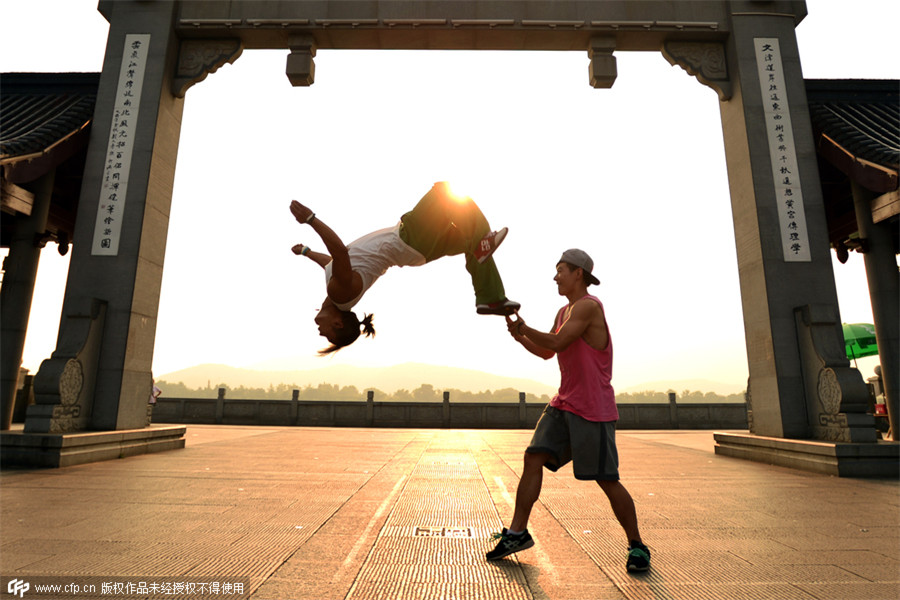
[[844, 459], [35, 450]]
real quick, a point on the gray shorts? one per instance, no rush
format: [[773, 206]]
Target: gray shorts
[[591, 446]]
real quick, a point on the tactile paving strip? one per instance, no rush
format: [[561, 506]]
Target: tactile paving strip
[[856, 591], [428, 551], [656, 591], [432, 545], [377, 590]]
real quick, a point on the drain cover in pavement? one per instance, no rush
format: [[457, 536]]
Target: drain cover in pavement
[[450, 532]]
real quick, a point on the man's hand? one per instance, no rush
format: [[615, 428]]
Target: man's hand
[[517, 329], [300, 212], [515, 326]]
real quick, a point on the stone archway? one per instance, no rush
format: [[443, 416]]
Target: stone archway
[[802, 384]]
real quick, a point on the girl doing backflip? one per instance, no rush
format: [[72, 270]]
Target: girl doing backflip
[[441, 224]]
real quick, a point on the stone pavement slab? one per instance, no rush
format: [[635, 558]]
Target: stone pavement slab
[[295, 513]]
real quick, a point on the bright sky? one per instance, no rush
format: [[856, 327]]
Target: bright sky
[[634, 175]]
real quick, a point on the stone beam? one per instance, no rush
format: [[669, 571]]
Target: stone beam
[[465, 24]]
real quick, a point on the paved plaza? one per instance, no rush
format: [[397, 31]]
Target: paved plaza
[[295, 513]]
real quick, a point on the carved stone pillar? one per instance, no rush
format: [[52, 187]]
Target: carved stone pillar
[[120, 234], [884, 293], [17, 292], [776, 199]]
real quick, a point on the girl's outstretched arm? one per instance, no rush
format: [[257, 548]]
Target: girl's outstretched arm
[[341, 272], [317, 257]]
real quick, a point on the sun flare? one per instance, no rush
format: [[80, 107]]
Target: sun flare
[[455, 194]]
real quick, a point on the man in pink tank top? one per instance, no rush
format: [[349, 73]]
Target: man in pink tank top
[[579, 424]]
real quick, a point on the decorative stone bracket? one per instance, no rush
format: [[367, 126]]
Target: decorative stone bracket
[[301, 68], [836, 395], [199, 58], [705, 61], [64, 385], [602, 70]]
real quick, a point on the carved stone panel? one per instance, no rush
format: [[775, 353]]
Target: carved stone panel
[[64, 385], [835, 392], [704, 60], [199, 58]]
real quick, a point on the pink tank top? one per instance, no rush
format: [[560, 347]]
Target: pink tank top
[[586, 373]]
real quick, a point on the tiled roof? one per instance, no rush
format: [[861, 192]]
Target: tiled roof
[[862, 116], [38, 110]]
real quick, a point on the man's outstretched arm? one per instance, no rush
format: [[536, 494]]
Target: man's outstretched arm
[[515, 329], [572, 329]]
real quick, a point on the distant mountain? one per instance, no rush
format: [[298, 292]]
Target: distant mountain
[[408, 376], [693, 385]]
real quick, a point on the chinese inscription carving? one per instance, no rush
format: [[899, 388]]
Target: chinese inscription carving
[[782, 151], [108, 227]]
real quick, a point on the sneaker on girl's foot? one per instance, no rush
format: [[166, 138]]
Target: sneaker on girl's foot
[[503, 307], [509, 544], [489, 243]]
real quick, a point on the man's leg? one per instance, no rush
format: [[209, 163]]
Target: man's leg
[[529, 489], [623, 507], [517, 538]]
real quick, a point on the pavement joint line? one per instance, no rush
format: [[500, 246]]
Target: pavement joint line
[[389, 501], [324, 521], [504, 492]]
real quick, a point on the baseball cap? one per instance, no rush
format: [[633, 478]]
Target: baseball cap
[[580, 258]]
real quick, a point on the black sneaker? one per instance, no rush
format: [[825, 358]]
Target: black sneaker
[[509, 544], [503, 307], [638, 558]]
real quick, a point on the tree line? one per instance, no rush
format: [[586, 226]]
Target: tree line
[[424, 393]]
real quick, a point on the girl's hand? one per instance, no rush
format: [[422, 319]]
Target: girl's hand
[[300, 212]]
